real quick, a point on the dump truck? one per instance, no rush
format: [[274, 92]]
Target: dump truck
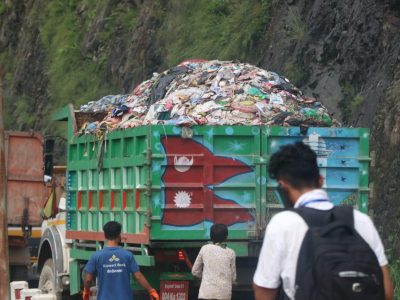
[[25, 197], [167, 185]]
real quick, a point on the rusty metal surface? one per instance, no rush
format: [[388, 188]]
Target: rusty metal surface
[[26, 191], [4, 267]]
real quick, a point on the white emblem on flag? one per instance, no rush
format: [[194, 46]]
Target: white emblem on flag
[[182, 199], [182, 164]]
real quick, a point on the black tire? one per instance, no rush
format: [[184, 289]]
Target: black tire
[[47, 279]]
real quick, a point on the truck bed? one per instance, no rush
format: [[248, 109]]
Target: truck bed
[[167, 183], [26, 190]]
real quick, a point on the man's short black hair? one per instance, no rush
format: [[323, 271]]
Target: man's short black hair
[[218, 233], [112, 230], [296, 164]]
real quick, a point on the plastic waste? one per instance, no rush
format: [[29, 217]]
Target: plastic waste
[[198, 92]]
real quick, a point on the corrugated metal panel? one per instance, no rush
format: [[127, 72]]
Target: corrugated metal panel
[[171, 183], [343, 157], [209, 177], [118, 192]]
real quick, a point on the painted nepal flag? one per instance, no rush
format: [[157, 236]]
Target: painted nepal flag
[[191, 173]]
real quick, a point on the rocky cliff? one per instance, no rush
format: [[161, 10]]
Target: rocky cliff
[[344, 52]]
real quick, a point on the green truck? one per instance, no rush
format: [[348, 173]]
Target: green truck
[[167, 185]]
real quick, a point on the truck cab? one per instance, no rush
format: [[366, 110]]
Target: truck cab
[[53, 256]]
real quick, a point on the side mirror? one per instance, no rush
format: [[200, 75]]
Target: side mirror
[[62, 205]]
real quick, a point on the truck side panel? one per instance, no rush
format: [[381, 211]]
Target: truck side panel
[[120, 191], [343, 158], [26, 191], [168, 183], [145, 181], [207, 177]]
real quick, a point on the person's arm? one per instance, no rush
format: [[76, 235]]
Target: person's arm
[[387, 283], [261, 293], [134, 268], [146, 285], [90, 274], [87, 282], [197, 269]]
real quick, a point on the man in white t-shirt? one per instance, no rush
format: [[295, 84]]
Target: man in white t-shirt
[[296, 170]]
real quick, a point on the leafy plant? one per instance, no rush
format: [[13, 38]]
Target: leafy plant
[[294, 72], [219, 7], [395, 275], [351, 101], [2, 7], [297, 27], [394, 264]]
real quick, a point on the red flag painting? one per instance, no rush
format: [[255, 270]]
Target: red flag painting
[[191, 174]]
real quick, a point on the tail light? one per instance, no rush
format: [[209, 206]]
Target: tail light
[[181, 255]]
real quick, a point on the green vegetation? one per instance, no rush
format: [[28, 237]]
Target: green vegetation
[[296, 25], [296, 74], [2, 7], [394, 263], [395, 274], [74, 73], [6, 63], [74, 40], [217, 29], [351, 101]]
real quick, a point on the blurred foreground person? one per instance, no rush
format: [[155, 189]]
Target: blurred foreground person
[[313, 250]]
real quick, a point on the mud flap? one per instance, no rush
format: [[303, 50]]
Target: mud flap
[[75, 278]]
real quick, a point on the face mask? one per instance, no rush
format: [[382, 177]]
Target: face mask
[[284, 195]]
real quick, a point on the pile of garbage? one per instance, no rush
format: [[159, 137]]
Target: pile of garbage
[[212, 93]]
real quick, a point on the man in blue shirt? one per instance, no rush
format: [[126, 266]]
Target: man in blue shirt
[[113, 267]]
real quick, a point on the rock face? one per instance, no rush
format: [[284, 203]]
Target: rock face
[[347, 54], [343, 48], [344, 52], [386, 171]]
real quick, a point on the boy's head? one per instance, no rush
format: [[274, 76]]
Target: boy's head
[[295, 168], [112, 230], [218, 233]]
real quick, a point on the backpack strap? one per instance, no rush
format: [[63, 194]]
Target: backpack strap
[[318, 218], [344, 214]]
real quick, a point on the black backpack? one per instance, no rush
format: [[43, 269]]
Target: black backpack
[[335, 262]]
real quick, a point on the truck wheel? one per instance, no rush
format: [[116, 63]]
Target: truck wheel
[[47, 280]]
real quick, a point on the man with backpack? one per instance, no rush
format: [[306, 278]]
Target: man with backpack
[[313, 250]]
